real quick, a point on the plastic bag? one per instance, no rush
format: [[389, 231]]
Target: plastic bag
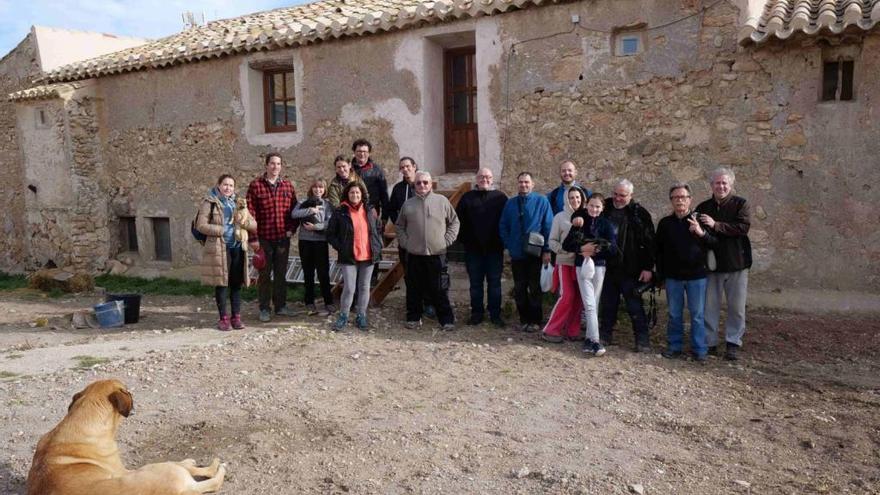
[[547, 277]]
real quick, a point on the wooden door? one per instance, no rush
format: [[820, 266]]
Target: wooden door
[[460, 83]]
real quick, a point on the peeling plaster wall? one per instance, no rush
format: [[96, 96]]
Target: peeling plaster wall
[[17, 68]]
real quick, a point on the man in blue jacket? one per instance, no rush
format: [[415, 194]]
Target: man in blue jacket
[[526, 213], [568, 174]]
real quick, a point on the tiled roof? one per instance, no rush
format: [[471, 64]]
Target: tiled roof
[[44, 92], [289, 26], [783, 18]]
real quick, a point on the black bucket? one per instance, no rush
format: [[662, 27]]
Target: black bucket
[[132, 304]]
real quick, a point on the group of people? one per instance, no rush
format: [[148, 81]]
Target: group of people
[[600, 250]]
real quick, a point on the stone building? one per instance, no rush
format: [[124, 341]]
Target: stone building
[[653, 90]]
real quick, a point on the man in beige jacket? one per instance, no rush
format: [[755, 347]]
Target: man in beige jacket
[[426, 226]]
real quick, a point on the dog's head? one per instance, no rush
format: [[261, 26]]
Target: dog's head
[[110, 392], [241, 203]]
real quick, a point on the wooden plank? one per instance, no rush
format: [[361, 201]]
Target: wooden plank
[[386, 284]]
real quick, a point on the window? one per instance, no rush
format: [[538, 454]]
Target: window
[[628, 43], [837, 80], [162, 238], [41, 118], [279, 99], [128, 234]]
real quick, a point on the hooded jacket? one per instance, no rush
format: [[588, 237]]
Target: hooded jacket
[[635, 238], [340, 235], [592, 228], [558, 233], [214, 267], [557, 197]]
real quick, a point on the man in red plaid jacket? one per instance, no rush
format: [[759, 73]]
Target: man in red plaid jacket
[[270, 200]]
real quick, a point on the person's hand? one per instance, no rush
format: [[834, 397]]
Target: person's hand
[[255, 245], [709, 221], [645, 276], [577, 222], [309, 226], [695, 227], [589, 249], [545, 258]]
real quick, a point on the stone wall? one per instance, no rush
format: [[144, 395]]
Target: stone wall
[[16, 71], [694, 100]]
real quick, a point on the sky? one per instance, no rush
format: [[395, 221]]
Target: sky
[[139, 19]]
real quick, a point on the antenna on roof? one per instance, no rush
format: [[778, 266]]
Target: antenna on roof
[[191, 20]]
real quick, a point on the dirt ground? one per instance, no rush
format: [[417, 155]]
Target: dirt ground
[[291, 407]]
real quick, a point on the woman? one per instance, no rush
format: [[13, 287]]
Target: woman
[[353, 232], [314, 213], [223, 257], [565, 319], [344, 176], [593, 241]]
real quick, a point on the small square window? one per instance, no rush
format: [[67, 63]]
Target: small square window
[[628, 43], [837, 80], [128, 234], [279, 100], [162, 238]]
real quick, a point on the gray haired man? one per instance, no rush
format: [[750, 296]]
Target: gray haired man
[[728, 217]]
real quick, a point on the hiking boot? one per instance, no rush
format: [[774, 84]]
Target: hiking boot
[[236, 322], [593, 347], [285, 311], [265, 316], [700, 358], [530, 328], [412, 325], [328, 310], [311, 309], [730, 353], [475, 320], [341, 322], [668, 354], [499, 322], [553, 339], [713, 350], [361, 322], [448, 327], [223, 323]]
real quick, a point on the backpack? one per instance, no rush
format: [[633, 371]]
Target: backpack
[[198, 236]]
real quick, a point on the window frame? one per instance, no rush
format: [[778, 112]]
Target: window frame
[[289, 94], [157, 239], [841, 62], [128, 234]]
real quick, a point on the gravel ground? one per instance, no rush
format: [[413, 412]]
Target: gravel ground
[[294, 408]]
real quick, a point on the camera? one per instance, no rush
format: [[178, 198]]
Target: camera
[[644, 287]]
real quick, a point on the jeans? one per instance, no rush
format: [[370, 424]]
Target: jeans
[[272, 284], [356, 277], [735, 285], [486, 267], [527, 289], [590, 279], [696, 300], [235, 267], [617, 284], [315, 257], [428, 277]]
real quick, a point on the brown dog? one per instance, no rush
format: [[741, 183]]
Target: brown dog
[[80, 457]]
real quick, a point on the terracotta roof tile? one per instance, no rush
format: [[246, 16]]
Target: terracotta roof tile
[[44, 92], [289, 26], [784, 18]]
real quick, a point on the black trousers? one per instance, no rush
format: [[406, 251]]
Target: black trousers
[[235, 266], [527, 289], [274, 288], [619, 284], [315, 256], [427, 278]]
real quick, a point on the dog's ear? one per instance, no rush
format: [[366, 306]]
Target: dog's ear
[[122, 402], [76, 397]]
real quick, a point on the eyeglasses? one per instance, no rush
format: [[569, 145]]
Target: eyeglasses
[[678, 198], [422, 182]]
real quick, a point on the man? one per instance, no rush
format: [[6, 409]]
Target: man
[[728, 217], [401, 191], [372, 175], [343, 176], [568, 175], [526, 213], [681, 262], [479, 212], [426, 227], [635, 242], [270, 200]]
